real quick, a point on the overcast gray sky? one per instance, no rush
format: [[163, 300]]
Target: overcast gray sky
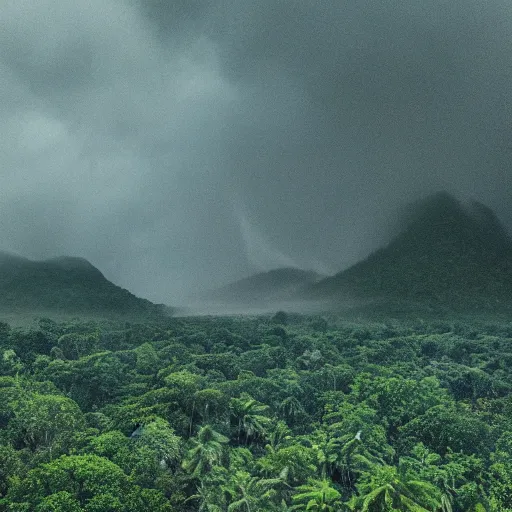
[[186, 143]]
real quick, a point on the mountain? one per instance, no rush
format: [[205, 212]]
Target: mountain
[[446, 253], [265, 287], [64, 285]]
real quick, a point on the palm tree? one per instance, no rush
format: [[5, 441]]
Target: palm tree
[[324, 449], [317, 496], [388, 489], [446, 503], [292, 409], [204, 498], [249, 415], [278, 436], [248, 493], [206, 451], [427, 465], [351, 456]]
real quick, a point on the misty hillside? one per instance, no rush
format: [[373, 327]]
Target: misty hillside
[[447, 253], [65, 284], [278, 284]]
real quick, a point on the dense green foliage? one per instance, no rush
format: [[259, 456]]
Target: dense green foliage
[[256, 414]]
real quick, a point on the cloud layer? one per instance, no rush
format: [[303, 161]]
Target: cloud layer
[[182, 144]]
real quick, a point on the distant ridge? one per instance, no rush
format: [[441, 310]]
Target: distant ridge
[[274, 285], [447, 253], [64, 285]]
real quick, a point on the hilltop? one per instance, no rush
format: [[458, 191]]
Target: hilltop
[[264, 287], [64, 285]]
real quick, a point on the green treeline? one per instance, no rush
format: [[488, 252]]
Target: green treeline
[[256, 414]]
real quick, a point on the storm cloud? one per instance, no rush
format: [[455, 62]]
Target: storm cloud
[[182, 144]]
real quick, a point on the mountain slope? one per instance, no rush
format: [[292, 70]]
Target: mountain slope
[[64, 285], [447, 253], [278, 284]]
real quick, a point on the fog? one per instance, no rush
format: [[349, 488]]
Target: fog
[[181, 145]]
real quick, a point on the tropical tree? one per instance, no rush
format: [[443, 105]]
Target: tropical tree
[[10, 465], [250, 418], [317, 496], [147, 359], [388, 489], [350, 455], [87, 481], [210, 403], [62, 501], [248, 493], [294, 463], [457, 475], [208, 496], [206, 451], [160, 439], [42, 420], [279, 436], [322, 446], [501, 474], [291, 409]]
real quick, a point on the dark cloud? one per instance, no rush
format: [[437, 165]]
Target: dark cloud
[[183, 144]]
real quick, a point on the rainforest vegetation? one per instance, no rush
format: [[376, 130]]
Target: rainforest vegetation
[[273, 413]]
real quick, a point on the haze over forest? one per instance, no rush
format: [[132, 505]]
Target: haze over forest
[[184, 145]]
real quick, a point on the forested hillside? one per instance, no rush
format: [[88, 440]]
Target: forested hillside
[[446, 254], [256, 414], [65, 286]]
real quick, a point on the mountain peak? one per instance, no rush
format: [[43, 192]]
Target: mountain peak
[[446, 252], [440, 224], [433, 211], [443, 209]]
